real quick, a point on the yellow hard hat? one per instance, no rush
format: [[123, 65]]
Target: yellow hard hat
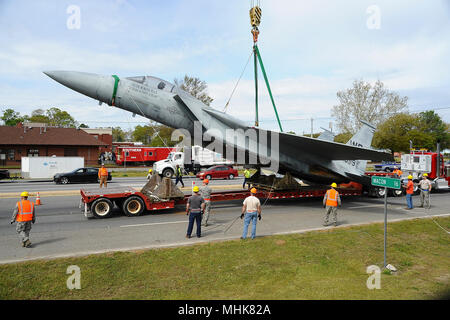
[[24, 194], [150, 170], [253, 190], [410, 177], [425, 174], [334, 185], [195, 189]]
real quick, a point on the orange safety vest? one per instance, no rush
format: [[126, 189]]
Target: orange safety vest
[[102, 172], [332, 198], [25, 212]]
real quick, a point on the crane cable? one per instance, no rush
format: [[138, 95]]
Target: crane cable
[[237, 83]]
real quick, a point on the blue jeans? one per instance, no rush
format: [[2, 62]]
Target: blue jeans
[[197, 217], [250, 216], [409, 201]]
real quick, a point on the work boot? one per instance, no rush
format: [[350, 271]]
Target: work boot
[[23, 244], [27, 243], [188, 236], [335, 224]]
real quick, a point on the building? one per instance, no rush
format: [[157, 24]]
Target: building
[[34, 139], [103, 135]]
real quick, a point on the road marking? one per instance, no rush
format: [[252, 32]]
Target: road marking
[[369, 206], [151, 224]]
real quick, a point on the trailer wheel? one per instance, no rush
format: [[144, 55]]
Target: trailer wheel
[[168, 173], [376, 192], [102, 208], [133, 206], [397, 193]]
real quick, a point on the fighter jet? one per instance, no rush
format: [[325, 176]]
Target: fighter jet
[[316, 161]]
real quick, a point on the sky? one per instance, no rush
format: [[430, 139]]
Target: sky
[[310, 49]]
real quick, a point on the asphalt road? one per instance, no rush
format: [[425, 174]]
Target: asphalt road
[[18, 186], [62, 230]]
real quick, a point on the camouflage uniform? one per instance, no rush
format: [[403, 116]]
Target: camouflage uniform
[[425, 186], [23, 227], [205, 192], [331, 210]]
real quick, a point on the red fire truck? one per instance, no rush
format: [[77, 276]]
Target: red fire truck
[[141, 155]]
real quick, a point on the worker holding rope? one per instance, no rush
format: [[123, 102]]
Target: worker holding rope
[[251, 209]]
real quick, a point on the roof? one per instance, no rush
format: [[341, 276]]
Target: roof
[[47, 136]]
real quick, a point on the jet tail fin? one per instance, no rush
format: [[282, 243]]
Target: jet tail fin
[[362, 138]]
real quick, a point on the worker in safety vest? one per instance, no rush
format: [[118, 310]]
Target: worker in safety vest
[[205, 192], [179, 175], [24, 215], [331, 201], [103, 176], [409, 193], [425, 189], [246, 177], [397, 172]]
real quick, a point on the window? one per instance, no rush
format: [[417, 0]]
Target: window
[[33, 153], [11, 154], [150, 154], [70, 152]]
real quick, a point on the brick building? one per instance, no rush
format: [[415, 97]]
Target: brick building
[[103, 135], [33, 140]]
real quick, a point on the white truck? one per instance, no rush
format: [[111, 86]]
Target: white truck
[[200, 158]]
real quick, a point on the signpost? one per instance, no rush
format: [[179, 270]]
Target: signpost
[[386, 183]]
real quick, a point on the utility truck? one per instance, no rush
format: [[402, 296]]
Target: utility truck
[[199, 158], [419, 162]]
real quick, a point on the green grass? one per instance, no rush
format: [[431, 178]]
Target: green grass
[[316, 265], [129, 173]]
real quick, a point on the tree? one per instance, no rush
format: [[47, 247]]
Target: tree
[[343, 137], [11, 117], [363, 101], [38, 115], [118, 134], [60, 118], [196, 87], [83, 126], [154, 135], [396, 132], [431, 123]]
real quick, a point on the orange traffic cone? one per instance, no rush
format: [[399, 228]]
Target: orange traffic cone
[[38, 200]]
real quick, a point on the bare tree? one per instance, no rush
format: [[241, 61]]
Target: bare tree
[[373, 104], [196, 87]]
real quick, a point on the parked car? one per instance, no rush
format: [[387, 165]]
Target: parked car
[[4, 174], [79, 175], [218, 172], [387, 166]]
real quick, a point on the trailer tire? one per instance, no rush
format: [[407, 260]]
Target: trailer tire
[[397, 193], [133, 206], [102, 208], [168, 173]]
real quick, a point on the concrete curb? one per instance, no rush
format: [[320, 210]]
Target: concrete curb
[[195, 242]]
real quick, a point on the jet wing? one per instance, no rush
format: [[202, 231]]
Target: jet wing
[[327, 150], [198, 110]]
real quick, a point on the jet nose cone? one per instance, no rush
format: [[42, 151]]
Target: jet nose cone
[[82, 82]]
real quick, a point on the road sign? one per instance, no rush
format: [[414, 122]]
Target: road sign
[[386, 182]]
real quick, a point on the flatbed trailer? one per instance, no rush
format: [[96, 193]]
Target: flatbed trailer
[[99, 203]]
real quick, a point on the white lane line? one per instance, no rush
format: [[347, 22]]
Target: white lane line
[[151, 224], [370, 206]]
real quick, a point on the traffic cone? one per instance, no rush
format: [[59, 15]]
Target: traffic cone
[[38, 200]]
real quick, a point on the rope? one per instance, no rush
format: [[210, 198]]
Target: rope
[[237, 83]]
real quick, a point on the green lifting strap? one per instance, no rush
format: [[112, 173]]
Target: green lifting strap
[[268, 86], [116, 84]]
